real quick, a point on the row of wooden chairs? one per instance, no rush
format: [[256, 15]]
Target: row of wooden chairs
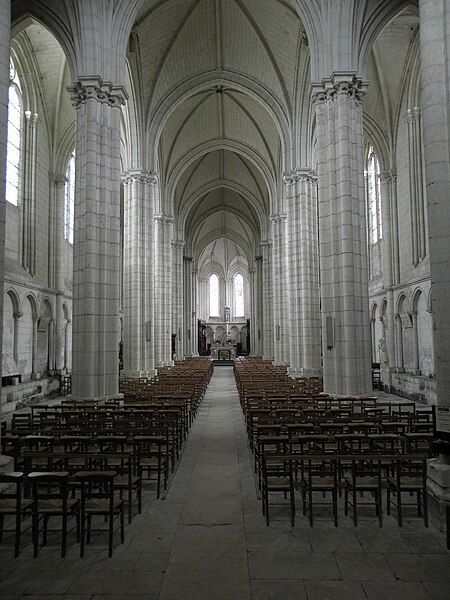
[[319, 474], [51, 496]]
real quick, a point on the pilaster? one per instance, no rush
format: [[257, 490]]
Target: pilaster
[[279, 290], [187, 305]]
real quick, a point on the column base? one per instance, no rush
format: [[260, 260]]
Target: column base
[[304, 372], [35, 376], [99, 399], [137, 374]]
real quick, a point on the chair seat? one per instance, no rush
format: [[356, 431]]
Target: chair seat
[[122, 481], [365, 482], [8, 506], [278, 483], [49, 506], [407, 482], [101, 505], [319, 483]]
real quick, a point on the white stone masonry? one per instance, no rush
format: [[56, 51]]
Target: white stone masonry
[[177, 297], [279, 290], [163, 290], [303, 278], [342, 236], [139, 192], [96, 327]]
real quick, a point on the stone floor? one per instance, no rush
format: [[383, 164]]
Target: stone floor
[[208, 540]]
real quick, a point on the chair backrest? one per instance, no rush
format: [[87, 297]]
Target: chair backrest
[[11, 487], [52, 485], [96, 485]]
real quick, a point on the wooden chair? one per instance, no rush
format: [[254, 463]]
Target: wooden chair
[[13, 504], [319, 475], [410, 475], [50, 491], [365, 476], [98, 499], [282, 482], [152, 455]]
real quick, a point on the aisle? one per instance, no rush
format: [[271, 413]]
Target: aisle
[[209, 554]]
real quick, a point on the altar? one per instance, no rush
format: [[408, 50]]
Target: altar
[[223, 352]]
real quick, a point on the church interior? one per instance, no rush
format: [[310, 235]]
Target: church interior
[[224, 227]]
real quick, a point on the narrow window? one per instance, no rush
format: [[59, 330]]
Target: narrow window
[[14, 136], [69, 199], [239, 296], [214, 296], [374, 197]]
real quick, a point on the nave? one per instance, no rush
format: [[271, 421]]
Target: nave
[[207, 539]]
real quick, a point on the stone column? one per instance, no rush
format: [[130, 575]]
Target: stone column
[[399, 366], [5, 43], [416, 370], [303, 288], [194, 318], [60, 267], [258, 293], [187, 305], [253, 312], [163, 290], [418, 230], [177, 297], [435, 84], [435, 91], [96, 250], [391, 263], [138, 321], [279, 290], [268, 330], [51, 346], [16, 317], [34, 341], [346, 345]]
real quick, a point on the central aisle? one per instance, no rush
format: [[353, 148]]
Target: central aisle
[[208, 558]]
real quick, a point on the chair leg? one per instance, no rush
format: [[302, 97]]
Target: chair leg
[[35, 534], [17, 536], [122, 527], [425, 507], [379, 500], [64, 535], [82, 533], [399, 508], [111, 533], [292, 507], [355, 509], [2, 521]]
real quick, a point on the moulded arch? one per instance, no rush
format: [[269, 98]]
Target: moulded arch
[[402, 303], [33, 303], [47, 304], [415, 299], [48, 15], [15, 300], [373, 311], [203, 82], [211, 146]]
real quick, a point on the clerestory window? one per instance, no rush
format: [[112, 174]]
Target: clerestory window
[[239, 310], [214, 296], [374, 197], [14, 137], [69, 199]]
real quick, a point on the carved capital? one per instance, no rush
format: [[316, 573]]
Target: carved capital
[[258, 259], [103, 91], [17, 315], [299, 175], [140, 176], [266, 244], [178, 244], [340, 82], [163, 219], [188, 259], [276, 219]]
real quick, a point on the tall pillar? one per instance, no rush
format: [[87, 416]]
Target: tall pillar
[[96, 250], [435, 90], [399, 365], [5, 47], [435, 85], [391, 264], [139, 191], [177, 297], [303, 252], [279, 291], [253, 313], [187, 306], [59, 266], [268, 330], [163, 290], [346, 345], [258, 293], [194, 316], [34, 343]]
